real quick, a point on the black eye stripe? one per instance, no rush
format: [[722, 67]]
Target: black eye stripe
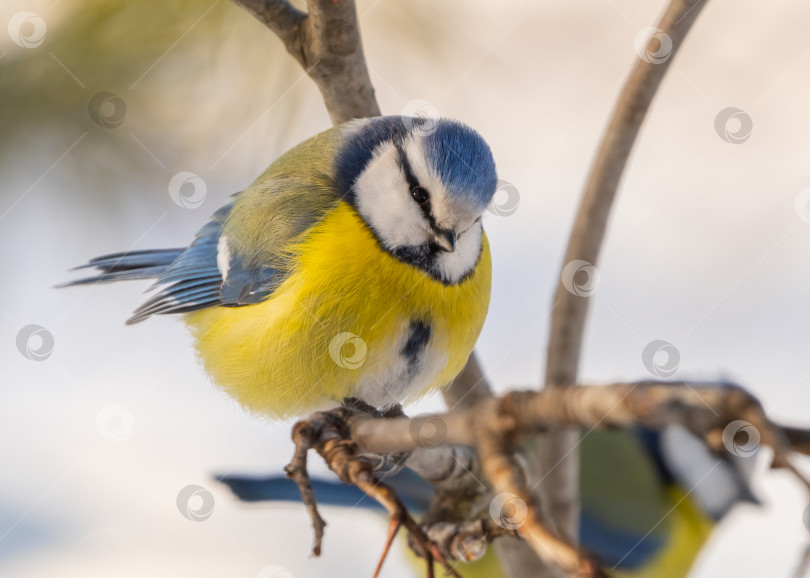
[[405, 165], [413, 182]]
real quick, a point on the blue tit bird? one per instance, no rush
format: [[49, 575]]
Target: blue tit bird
[[356, 266], [649, 498]]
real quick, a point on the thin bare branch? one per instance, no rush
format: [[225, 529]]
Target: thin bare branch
[[452, 467], [326, 43], [279, 16], [497, 427], [803, 568], [650, 403], [799, 438], [327, 433], [558, 453], [455, 466], [469, 387], [303, 437], [516, 558]]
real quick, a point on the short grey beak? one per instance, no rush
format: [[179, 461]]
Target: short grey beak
[[445, 240]]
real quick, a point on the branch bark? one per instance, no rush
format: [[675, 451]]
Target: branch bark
[[558, 464], [653, 404], [470, 387], [325, 41], [497, 426]]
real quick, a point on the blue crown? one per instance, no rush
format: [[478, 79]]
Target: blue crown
[[463, 161], [459, 155]]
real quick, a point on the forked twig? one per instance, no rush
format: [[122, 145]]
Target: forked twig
[[303, 438], [327, 433]]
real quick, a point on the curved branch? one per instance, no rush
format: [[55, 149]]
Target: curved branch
[[558, 461], [326, 43]]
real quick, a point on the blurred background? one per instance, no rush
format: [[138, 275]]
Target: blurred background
[[105, 102]]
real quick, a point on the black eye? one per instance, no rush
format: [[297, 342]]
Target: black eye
[[420, 195]]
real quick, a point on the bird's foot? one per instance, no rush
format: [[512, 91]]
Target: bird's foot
[[328, 433], [384, 464], [360, 405]]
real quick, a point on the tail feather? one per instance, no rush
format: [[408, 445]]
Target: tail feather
[[281, 489], [412, 489], [187, 279], [126, 275], [133, 259], [126, 266]]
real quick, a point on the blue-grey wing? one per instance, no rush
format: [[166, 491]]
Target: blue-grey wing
[[188, 278], [192, 278]]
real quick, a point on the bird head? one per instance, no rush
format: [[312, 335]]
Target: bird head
[[420, 186]]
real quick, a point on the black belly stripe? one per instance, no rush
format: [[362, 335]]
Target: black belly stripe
[[415, 344]]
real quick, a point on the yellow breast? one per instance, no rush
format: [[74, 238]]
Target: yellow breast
[[688, 532], [340, 326]]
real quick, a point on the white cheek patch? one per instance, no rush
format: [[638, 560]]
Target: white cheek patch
[[383, 200], [223, 257], [454, 266]]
